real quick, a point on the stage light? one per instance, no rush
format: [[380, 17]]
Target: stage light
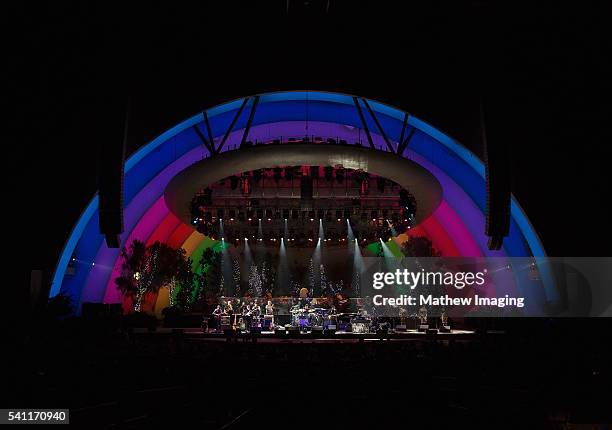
[[93, 264]]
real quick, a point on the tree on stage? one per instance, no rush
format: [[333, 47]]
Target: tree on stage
[[146, 269], [212, 282]]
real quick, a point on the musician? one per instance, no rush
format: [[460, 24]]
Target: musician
[[245, 308], [423, 315], [217, 316], [255, 309], [332, 310], [444, 318], [270, 312], [269, 308], [245, 312], [403, 315]]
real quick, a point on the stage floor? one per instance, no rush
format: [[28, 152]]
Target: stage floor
[[309, 336]]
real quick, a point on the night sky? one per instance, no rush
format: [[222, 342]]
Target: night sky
[[541, 71]]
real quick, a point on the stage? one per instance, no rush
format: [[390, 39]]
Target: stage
[[317, 336]]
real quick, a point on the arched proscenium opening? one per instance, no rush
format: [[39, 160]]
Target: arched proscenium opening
[[86, 267], [422, 184]]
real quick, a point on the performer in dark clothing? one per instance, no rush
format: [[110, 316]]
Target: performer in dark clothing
[[217, 317]]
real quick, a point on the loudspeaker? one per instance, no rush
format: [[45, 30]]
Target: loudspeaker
[[111, 158], [498, 173], [306, 188]]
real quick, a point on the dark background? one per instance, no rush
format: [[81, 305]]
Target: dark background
[[541, 70]]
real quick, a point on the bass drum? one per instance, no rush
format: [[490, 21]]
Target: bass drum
[[303, 320]]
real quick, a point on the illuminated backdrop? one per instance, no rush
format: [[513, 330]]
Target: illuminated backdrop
[[86, 268]]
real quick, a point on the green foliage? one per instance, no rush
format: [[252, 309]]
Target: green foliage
[[149, 268], [133, 261], [212, 274]]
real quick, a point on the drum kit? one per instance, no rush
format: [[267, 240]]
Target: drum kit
[[305, 318]]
